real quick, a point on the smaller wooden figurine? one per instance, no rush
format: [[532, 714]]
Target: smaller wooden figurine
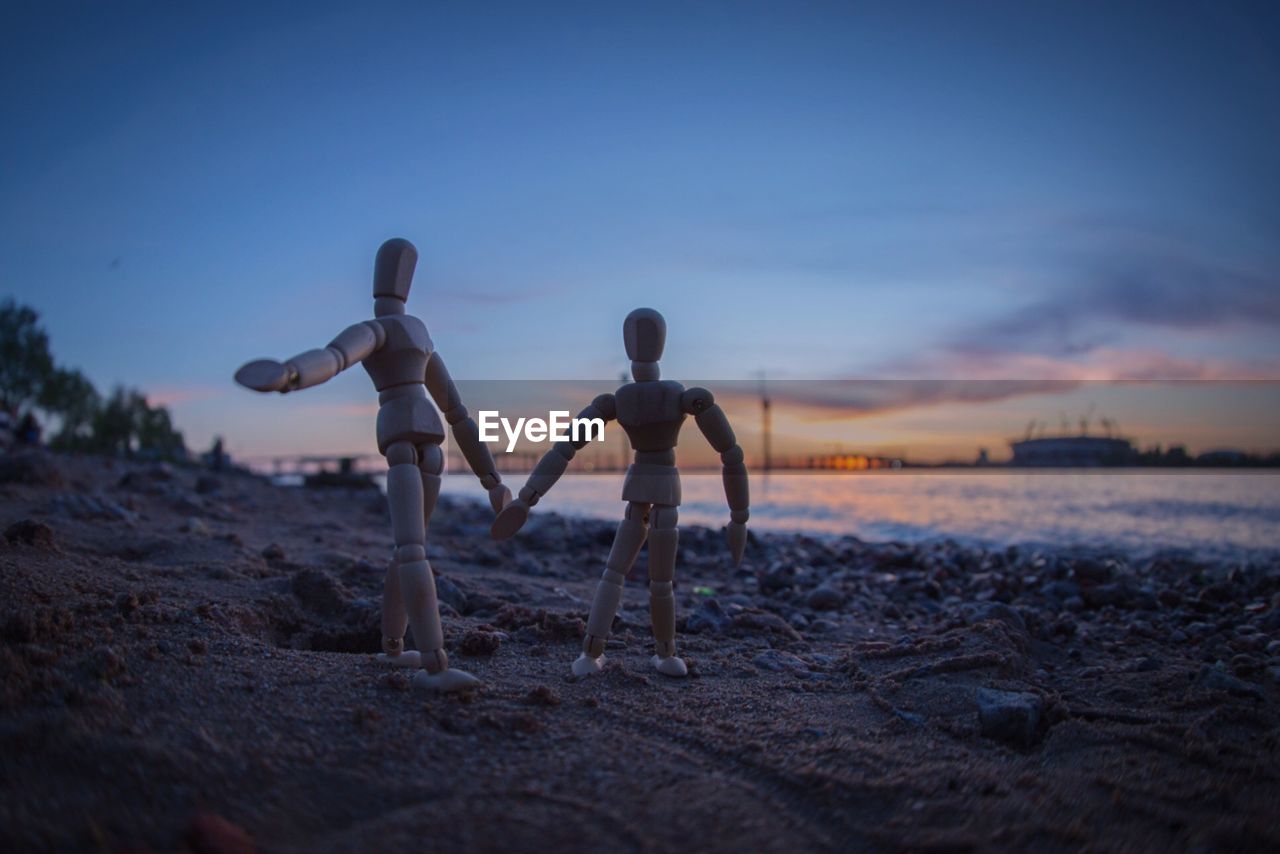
[[651, 411]]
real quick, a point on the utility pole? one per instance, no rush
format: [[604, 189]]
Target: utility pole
[[766, 407]]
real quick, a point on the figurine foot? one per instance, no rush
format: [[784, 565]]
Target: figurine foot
[[585, 665], [408, 658], [671, 666], [509, 520], [446, 681]]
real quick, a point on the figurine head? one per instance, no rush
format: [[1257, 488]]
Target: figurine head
[[393, 275], [644, 333]]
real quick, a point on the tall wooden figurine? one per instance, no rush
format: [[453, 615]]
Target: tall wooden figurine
[[651, 411], [398, 355]]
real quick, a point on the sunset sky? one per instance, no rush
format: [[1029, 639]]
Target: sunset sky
[[944, 191]]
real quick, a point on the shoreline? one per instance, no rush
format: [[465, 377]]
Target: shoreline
[[188, 660], [815, 519], [773, 520], [1097, 551]]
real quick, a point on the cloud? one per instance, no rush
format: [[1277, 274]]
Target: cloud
[[822, 398], [343, 409], [174, 395], [1092, 291], [992, 377], [492, 298], [857, 398], [1096, 298], [1099, 364]]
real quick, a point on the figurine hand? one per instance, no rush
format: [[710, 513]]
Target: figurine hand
[[265, 375], [499, 497], [510, 520], [735, 533]]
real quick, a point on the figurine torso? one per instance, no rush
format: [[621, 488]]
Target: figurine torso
[[398, 370], [403, 358], [651, 415]]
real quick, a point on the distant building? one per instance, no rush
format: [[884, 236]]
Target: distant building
[[1072, 451], [1222, 458]]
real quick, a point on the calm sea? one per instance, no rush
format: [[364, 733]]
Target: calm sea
[[1213, 514]]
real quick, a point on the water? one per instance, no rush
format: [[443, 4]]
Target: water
[[1212, 514]]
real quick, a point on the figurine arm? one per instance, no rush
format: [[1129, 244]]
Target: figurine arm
[[548, 471], [465, 433], [313, 367], [711, 420]]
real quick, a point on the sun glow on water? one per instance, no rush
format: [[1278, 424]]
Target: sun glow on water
[[1211, 514]]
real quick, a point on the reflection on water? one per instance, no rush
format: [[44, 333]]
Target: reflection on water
[[1214, 514]]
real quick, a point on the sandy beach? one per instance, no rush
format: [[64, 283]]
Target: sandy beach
[[188, 663]]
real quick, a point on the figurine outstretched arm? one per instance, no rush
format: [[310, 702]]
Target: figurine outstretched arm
[[711, 420], [355, 344], [548, 471], [465, 433]]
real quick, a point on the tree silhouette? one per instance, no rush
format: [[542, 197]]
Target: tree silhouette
[[68, 394], [25, 361], [124, 425]]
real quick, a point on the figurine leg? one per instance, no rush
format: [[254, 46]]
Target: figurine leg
[[663, 539], [401, 498], [626, 546], [443, 677], [417, 586], [395, 619], [404, 497]]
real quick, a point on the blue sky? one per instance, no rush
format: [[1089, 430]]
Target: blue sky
[[819, 190]]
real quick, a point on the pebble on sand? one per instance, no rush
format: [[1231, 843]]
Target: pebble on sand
[[1013, 717]]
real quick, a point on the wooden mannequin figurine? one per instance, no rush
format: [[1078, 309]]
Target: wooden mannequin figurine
[[398, 355], [651, 412]]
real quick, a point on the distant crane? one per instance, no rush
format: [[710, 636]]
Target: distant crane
[[766, 414], [1084, 422]]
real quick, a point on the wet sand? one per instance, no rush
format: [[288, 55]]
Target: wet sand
[[188, 663]]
